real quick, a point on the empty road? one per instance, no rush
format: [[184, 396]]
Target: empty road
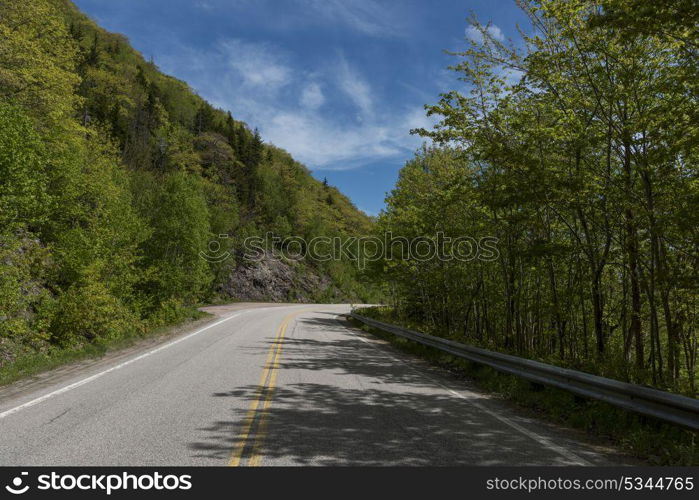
[[270, 385]]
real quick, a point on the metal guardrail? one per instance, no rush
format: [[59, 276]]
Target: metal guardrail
[[663, 405]]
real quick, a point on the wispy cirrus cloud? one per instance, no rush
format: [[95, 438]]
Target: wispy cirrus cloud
[[474, 34], [312, 96], [366, 16], [258, 65], [373, 18], [356, 88]]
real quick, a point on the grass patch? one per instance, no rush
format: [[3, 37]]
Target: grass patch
[[52, 357], [651, 440]]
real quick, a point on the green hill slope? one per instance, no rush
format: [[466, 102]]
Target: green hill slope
[[114, 178]]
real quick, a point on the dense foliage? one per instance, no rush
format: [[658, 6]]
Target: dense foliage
[[113, 179], [577, 149]]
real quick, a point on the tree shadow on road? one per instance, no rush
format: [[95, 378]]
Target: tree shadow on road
[[352, 404]]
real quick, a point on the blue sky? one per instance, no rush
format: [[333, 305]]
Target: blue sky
[[337, 83]]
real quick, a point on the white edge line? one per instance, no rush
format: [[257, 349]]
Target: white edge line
[[532, 435], [89, 379]]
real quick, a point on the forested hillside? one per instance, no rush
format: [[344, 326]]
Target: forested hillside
[[577, 149], [114, 177]]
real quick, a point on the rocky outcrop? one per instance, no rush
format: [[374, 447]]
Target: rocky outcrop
[[272, 279]]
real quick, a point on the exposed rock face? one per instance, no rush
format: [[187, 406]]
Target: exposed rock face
[[271, 279]]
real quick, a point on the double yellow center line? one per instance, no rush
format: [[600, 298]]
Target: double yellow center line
[[250, 442]]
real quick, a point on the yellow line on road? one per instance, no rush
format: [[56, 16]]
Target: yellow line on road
[[255, 456], [264, 393]]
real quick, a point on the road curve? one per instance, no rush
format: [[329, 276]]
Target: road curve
[[273, 385]]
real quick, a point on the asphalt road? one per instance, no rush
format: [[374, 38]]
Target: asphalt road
[[271, 385]]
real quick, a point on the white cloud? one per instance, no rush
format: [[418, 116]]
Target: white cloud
[[366, 16], [417, 118], [322, 143], [356, 88], [259, 65], [373, 18], [312, 96], [474, 34]]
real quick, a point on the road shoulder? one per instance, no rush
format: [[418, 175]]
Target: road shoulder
[[592, 444]]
